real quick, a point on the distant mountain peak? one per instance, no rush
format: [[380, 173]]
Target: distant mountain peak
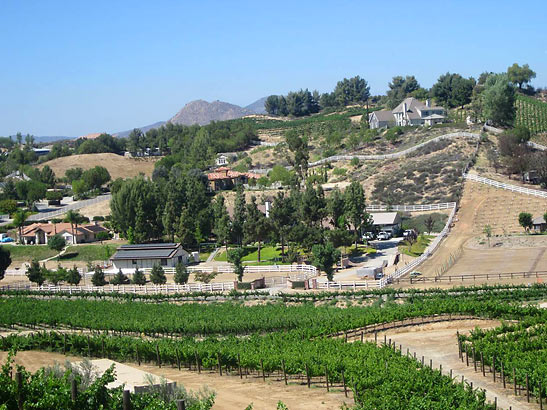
[[202, 112]]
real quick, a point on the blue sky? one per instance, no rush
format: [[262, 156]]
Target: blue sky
[[75, 67]]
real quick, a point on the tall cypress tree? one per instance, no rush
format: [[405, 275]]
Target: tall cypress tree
[[239, 216]]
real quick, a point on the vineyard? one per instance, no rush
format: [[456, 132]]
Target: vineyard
[[290, 339], [531, 113]]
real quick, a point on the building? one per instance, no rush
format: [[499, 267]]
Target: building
[[386, 221], [224, 178], [410, 112], [224, 158], [540, 225], [39, 233], [144, 256]]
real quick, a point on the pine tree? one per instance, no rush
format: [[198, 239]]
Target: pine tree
[[5, 260], [257, 226], [138, 277], [186, 229], [169, 217], [73, 276], [120, 278], [140, 229], [157, 276], [181, 274], [35, 274], [98, 277], [222, 222], [239, 215]]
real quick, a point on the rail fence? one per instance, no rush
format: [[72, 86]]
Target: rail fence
[[473, 277], [394, 155], [509, 187], [412, 208], [347, 285], [76, 205]]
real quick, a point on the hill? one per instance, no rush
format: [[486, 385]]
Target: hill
[[202, 112], [258, 106], [123, 134], [117, 166]]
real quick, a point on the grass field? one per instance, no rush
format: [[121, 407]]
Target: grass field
[[29, 252], [88, 253], [417, 248], [268, 254]]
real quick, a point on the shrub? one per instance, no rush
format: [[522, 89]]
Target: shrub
[[138, 277], [8, 206], [157, 276], [339, 171], [181, 274]]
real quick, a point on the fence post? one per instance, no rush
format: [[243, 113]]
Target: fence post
[[138, 356], [514, 381], [527, 389], [502, 375], [239, 366], [178, 358], [126, 404], [181, 405], [73, 390], [540, 396], [262, 368], [308, 375], [344, 383], [474, 360], [219, 364], [285, 373], [494, 367], [20, 395], [327, 378], [198, 364], [158, 358], [482, 364]]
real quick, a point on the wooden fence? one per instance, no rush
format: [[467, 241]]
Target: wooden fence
[[509, 187]]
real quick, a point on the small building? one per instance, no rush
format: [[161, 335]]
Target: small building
[[224, 178], [39, 233], [531, 177], [540, 225], [410, 112], [224, 158], [386, 221], [143, 256]]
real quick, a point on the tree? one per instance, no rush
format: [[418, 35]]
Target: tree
[[313, 205], [119, 278], [453, 90], [97, 279], [429, 223], [157, 275], [335, 206], [498, 100], [351, 91], [96, 177], [56, 243], [520, 75], [56, 276], [73, 276], [138, 277], [222, 221], [301, 153], [324, 257], [5, 260], [19, 220], [256, 226], [282, 217], [526, 221], [73, 218], [186, 229], [169, 217], [72, 174], [181, 274], [272, 105], [400, 88], [79, 187], [235, 257], [355, 208], [47, 176], [35, 273], [488, 232], [239, 215]]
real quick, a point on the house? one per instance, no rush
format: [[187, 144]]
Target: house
[[147, 255], [224, 158], [386, 221], [39, 233], [410, 112], [224, 178], [540, 224]]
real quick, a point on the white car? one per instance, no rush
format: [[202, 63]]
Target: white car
[[383, 236]]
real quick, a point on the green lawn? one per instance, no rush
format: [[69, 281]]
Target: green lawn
[[268, 254], [361, 249], [88, 253], [203, 256], [417, 248], [29, 252]]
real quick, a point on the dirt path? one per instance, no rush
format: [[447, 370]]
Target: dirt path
[[438, 342], [231, 392]]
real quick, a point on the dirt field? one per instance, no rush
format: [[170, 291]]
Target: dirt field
[[438, 342], [481, 205], [117, 165], [232, 393]]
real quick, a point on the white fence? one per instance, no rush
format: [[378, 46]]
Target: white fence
[[76, 205], [412, 208], [397, 154], [509, 187], [298, 272], [427, 253], [537, 146], [349, 285], [141, 290]]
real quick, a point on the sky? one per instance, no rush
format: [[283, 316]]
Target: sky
[[69, 68]]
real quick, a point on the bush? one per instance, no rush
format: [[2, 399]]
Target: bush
[[138, 277], [98, 218], [355, 162], [102, 236], [181, 274], [98, 277], [54, 195], [120, 278], [339, 171], [157, 276], [8, 206]]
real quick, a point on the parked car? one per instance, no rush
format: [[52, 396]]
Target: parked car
[[415, 274], [6, 239], [368, 236], [410, 233], [384, 236]]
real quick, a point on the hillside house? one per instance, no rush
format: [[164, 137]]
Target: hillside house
[[143, 256], [224, 178], [410, 112], [39, 233], [225, 158], [540, 224], [386, 221]]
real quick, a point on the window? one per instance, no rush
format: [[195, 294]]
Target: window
[[134, 261], [164, 262]]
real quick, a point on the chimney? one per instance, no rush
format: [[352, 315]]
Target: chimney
[[428, 103]]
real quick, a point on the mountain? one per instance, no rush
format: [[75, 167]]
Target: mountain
[[258, 106], [123, 134], [202, 112]]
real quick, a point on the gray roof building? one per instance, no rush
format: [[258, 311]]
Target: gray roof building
[[409, 112], [148, 255]]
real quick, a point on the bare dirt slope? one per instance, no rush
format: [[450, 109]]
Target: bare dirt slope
[[117, 165], [231, 392], [438, 342]]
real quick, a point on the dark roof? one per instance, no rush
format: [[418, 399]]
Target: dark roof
[[146, 251], [384, 115]]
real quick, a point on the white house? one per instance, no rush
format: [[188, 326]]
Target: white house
[[166, 255], [386, 221], [409, 112]]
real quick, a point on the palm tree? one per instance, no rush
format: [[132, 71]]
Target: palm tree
[[19, 220], [74, 218]]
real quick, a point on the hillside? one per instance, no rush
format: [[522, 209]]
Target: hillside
[[202, 112], [123, 134], [117, 166], [257, 107]]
